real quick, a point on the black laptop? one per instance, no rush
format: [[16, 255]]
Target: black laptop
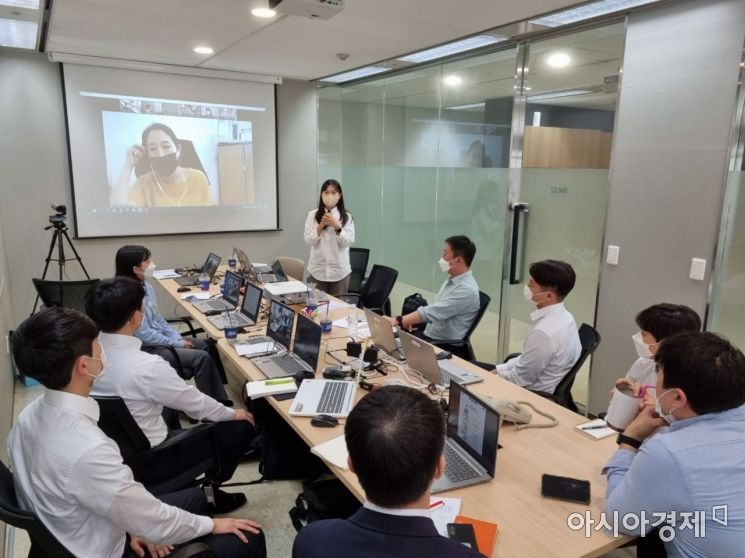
[[210, 268]]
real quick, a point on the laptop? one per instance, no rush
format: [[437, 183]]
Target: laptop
[[328, 397], [229, 300], [470, 441], [210, 267], [420, 356], [304, 355], [248, 314], [278, 330], [277, 275], [381, 331]]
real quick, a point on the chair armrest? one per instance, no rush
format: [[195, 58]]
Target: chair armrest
[[511, 356], [175, 440], [194, 550], [184, 320]]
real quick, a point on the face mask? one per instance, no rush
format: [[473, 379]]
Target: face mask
[[444, 265], [165, 165], [150, 269], [102, 359], [668, 418], [642, 349], [330, 200], [528, 294]]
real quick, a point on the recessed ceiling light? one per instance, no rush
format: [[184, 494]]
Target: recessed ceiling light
[[452, 80], [467, 107], [588, 11], [355, 74], [558, 60], [451, 48], [263, 12], [203, 50]]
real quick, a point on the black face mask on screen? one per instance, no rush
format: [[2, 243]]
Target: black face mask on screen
[[165, 165]]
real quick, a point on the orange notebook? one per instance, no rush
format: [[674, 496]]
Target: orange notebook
[[486, 533]]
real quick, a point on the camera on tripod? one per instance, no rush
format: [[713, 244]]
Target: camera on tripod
[[58, 219]]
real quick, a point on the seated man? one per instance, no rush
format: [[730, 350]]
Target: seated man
[[457, 303], [70, 474], [692, 475], [552, 347], [147, 383], [656, 323], [395, 436]]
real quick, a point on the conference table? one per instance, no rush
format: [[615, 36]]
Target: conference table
[[529, 524]]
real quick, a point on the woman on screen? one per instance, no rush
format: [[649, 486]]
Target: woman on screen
[[329, 230], [164, 182]]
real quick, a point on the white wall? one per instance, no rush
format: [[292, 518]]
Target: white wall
[[35, 173]]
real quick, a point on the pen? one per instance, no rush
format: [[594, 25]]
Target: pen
[[279, 381], [593, 427], [437, 504]]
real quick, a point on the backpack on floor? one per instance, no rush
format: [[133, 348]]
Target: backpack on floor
[[323, 498]]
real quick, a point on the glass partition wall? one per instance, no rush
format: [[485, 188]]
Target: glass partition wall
[[451, 148]]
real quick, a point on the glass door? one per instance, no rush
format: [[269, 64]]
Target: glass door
[[559, 195]]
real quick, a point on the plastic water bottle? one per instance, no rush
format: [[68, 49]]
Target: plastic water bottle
[[352, 321]]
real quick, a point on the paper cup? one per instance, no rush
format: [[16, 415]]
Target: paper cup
[[326, 326], [623, 408], [231, 332]]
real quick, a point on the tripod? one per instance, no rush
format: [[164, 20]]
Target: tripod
[[58, 240]]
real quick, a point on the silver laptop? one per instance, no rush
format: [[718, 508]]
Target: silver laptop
[[277, 275], [304, 355], [210, 268], [328, 397], [381, 331], [229, 300], [470, 441], [248, 314], [278, 330], [420, 356]]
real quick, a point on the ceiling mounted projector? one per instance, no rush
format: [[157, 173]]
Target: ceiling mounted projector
[[313, 9]]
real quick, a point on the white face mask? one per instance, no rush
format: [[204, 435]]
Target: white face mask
[[150, 269], [642, 349], [528, 294], [444, 264], [668, 418], [330, 200], [102, 359]]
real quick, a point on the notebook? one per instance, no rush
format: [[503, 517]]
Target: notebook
[[470, 442], [210, 267], [382, 334], [229, 300], [278, 332], [328, 397], [596, 429], [485, 531], [421, 357], [248, 314], [304, 355]]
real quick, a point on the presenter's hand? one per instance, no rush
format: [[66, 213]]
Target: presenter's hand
[[226, 525], [331, 221], [134, 154], [243, 414], [139, 547]]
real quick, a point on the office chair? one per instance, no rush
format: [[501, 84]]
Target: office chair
[[118, 424], [358, 258], [187, 158], [43, 543], [293, 267], [589, 338], [67, 294], [376, 291], [462, 347]]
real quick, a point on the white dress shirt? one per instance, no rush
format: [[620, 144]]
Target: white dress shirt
[[402, 512], [551, 348], [147, 383], [329, 252], [71, 475]]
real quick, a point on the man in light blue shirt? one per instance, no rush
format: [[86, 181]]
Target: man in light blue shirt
[[688, 481], [457, 303]]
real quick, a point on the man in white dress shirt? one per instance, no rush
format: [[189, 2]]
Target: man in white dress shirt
[[147, 384], [70, 474], [552, 347]]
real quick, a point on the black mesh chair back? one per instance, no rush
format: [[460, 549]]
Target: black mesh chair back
[[589, 338], [43, 543], [67, 294], [358, 258], [463, 348], [378, 288], [118, 424]]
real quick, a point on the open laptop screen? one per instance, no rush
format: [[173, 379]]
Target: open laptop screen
[[278, 270], [307, 340], [474, 425], [279, 328], [251, 302], [232, 288], [211, 264]]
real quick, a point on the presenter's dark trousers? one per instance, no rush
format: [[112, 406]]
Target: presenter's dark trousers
[[225, 546], [227, 441]]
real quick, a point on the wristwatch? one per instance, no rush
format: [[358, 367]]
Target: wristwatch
[[628, 440]]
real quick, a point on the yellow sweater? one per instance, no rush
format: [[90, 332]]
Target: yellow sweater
[[195, 190]]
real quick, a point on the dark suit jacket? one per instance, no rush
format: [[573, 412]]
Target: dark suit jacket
[[369, 534]]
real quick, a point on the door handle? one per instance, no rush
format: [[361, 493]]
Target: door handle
[[517, 209]]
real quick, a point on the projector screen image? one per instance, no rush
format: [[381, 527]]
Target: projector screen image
[[200, 161]]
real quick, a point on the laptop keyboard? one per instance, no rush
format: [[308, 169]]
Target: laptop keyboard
[[456, 468], [290, 365], [332, 398]]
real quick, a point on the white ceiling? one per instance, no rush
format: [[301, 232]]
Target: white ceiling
[[166, 31]]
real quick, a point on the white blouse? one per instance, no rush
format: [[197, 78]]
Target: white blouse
[[329, 252]]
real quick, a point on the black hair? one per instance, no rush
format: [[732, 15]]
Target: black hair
[[130, 256], [47, 344], [340, 204], [554, 274], [112, 302], [664, 320], [462, 246], [707, 367], [163, 128], [395, 436]]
